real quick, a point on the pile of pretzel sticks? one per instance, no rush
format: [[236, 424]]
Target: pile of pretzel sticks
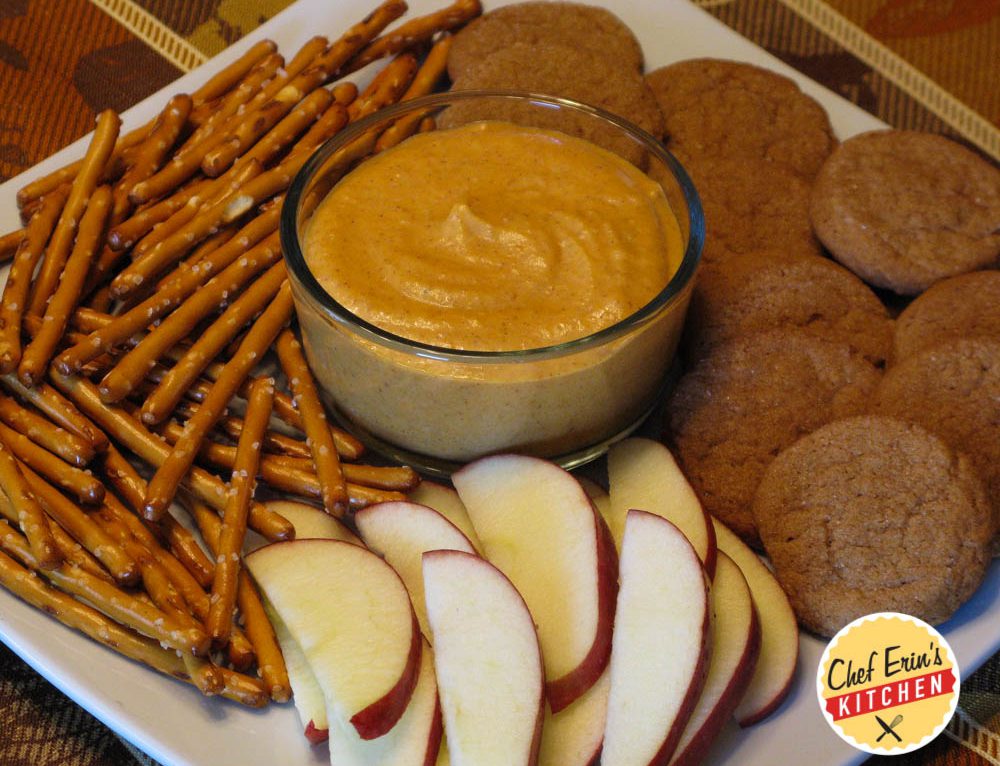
[[145, 288]]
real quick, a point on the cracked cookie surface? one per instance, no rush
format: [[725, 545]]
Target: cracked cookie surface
[[595, 30], [737, 408], [872, 514], [965, 306], [765, 290], [954, 391], [903, 209], [720, 108]]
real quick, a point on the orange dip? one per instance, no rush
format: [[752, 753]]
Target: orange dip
[[494, 237]]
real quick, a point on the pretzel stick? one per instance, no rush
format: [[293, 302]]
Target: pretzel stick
[[15, 291], [83, 187], [359, 35], [10, 242], [164, 483], [82, 528], [274, 441], [234, 519], [298, 476], [114, 602], [169, 391], [76, 555], [347, 446], [136, 364], [234, 206], [227, 259], [151, 152], [30, 517], [228, 77], [305, 396], [58, 410], [127, 233], [66, 174], [182, 543], [387, 88], [416, 31], [294, 123], [187, 160], [424, 82], [84, 487], [249, 131], [255, 620], [95, 625], [153, 450], [241, 652], [36, 357], [70, 447]]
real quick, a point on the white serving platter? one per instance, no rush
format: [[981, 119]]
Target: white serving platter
[[175, 725]]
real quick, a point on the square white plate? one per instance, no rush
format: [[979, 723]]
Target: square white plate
[[177, 726]]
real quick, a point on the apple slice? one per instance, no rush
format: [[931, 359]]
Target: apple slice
[[779, 632], [339, 600], [310, 521], [446, 501], [735, 647], [660, 646], [307, 694], [573, 736], [414, 741], [488, 663], [540, 529], [642, 474], [402, 532]]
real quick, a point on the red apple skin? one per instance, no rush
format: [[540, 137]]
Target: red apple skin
[[316, 736], [562, 692], [764, 712], [434, 738], [698, 747], [380, 716]]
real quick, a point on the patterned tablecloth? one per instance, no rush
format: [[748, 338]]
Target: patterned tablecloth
[[923, 64]]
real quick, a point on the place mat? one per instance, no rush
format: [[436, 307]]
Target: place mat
[[913, 63]]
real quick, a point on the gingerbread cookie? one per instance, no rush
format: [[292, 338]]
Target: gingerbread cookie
[[873, 514], [752, 205], [594, 30], [560, 71], [765, 290], [740, 406], [718, 108], [903, 209], [965, 306], [952, 389]]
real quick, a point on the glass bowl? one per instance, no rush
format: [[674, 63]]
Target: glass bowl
[[436, 408]]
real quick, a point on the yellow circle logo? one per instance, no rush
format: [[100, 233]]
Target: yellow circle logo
[[888, 683]]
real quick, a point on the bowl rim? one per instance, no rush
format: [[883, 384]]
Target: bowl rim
[[300, 272]]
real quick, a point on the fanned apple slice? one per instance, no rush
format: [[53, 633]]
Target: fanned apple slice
[[735, 647], [488, 663], [413, 741], [660, 645], [350, 614], [642, 474], [779, 632], [402, 532], [573, 736], [540, 529], [310, 521], [446, 501], [307, 694]]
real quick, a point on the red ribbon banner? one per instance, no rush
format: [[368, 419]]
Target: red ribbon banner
[[891, 694]]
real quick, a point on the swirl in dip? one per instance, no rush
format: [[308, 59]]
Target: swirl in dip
[[493, 237]]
